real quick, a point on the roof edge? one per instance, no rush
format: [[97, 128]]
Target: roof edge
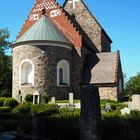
[[41, 42]]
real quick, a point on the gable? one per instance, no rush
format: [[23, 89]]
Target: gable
[[87, 21], [57, 16]]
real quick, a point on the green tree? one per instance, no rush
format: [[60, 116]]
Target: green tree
[[133, 85], [5, 62]]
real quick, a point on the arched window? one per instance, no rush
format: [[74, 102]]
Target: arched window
[[63, 73], [27, 73]]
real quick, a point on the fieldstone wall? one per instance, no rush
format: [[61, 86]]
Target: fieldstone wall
[[45, 60], [108, 93], [106, 45], [78, 60], [90, 25]]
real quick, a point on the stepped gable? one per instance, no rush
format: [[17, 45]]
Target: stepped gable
[[58, 17], [87, 21]]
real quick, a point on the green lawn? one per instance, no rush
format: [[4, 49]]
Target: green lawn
[[67, 101]]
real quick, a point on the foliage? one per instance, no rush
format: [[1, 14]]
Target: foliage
[[5, 93], [4, 43], [22, 109], [44, 98], [45, 108], [120, 127], [5, 62], [64, 126], [11, 102], [2, 101], [29, 98], [133, 85], [114, 104], [5, 109]]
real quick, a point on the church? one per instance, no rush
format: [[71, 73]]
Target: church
[[60, 49]]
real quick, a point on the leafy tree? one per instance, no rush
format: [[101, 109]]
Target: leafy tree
[[5, 62], [133, 85]]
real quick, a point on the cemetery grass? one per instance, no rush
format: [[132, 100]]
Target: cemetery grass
[[66, 101], [63, 124]]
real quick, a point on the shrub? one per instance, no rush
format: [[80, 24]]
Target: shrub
[[2, 101], [113, 107], [45, 108], [29, 98], [44, 98], [5, 109], [11, 102], [23, 109], [135, 114]]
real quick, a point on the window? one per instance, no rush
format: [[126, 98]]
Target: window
[[63, 73], [27, 73], [60, 76]]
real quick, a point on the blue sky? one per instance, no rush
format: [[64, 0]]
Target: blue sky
[[119, 18]]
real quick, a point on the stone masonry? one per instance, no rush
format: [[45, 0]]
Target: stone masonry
[[45, 59], [91, 27]]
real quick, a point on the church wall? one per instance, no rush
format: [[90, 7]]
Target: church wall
[[87, 22], [77, 65], [45, 59], [106, 45], [108, 93], [120, 84]]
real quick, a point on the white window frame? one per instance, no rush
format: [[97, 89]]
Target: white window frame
[[66, 72], [20, 70]]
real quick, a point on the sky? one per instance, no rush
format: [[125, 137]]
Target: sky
[[119, 18]]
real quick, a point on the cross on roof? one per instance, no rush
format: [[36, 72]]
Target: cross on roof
[[73, 3]]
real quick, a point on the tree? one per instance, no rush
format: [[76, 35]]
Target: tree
[[133, 85], [5, 62], [4, 43]]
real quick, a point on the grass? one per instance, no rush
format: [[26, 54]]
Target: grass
[[66, 101], [118, 105]]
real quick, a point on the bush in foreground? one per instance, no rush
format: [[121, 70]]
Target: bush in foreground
[[11, 102], [45, 108], [5, 109], [2, 101], [22, 109]]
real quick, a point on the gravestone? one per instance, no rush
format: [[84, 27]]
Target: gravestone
[[107, 107], [135, 104], [71, 100], [90, 116], [136, 101], [125, 111], [53, 100], [19, 98], [130, 105]]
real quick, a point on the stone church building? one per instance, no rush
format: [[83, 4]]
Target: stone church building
[[59, 49]]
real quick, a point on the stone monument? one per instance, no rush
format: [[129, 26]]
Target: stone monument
[[53, 100], [90, 113], [71, 101]]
